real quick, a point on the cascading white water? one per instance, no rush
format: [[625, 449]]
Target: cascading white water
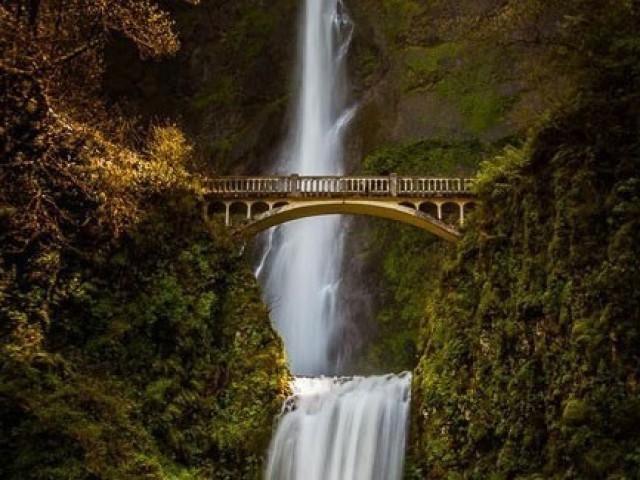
[[342, 429], [300, 272], [332, 428]]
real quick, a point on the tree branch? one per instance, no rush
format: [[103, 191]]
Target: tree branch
[[74, 53]]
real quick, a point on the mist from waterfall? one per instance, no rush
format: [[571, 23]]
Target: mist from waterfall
[[300, 271]]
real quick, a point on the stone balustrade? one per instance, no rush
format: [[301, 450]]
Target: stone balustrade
[[254, 203], [336, 186]]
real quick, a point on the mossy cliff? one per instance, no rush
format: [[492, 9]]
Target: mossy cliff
[[153, 359], [414, 82], [529, 359], [133, 341]]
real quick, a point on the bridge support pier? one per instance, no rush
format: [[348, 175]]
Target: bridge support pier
[[295, 185], [227, 214]]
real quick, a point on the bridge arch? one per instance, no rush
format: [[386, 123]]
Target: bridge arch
[[408, 205], [437, 205], [390, 211], [451, 211], [430, 208], [216, 207], [240, 209], [259, 207]]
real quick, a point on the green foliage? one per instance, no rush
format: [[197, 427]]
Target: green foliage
[[427, 65], [397, 15], [407, 259], [158, 361], [249, 32], [221, 92], [529, 365], [437, 157], [502, 169], [476, 87], [133, 341]]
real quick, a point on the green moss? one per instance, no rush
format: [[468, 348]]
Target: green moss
[[253, 24], [437, 157], [576, 412], [221, 92], [425, 66], [368, 64], [158, 361], [397, 15], [474, 87], [528, 341]]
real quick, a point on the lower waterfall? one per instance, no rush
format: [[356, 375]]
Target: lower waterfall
[[342, 429]]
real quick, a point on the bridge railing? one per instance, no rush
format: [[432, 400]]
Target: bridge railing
[[319, 186]]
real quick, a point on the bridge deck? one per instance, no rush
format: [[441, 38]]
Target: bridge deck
[[337, 186], [271, 200]]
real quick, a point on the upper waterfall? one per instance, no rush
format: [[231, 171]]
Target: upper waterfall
[[300, 270]]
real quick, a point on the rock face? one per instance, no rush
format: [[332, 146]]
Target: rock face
[[412, 85], [228, 84], [231, 81]]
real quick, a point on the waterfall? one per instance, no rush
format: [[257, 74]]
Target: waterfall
[[300, 271], [331, 428], [342, 429]]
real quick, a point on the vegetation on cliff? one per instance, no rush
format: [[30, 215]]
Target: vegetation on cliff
[[133, 342], [229, 83], [529, 360], [151, 359], [404, 262]]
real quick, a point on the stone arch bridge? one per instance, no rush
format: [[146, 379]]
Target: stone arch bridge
[[253, 204]]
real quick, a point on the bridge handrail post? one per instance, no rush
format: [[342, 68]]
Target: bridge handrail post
[[294, 184], [393, 184]]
